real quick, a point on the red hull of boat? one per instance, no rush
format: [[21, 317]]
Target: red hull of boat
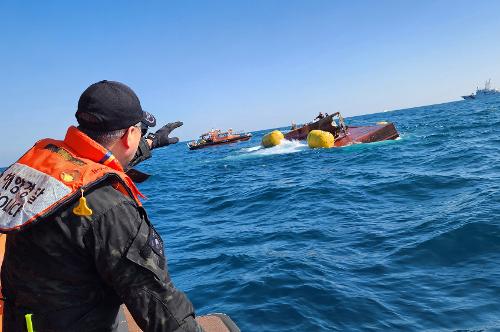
[[367, 134], [355, 134]]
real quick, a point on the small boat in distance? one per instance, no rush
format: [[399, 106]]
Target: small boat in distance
[[482, 93], [217, 137]]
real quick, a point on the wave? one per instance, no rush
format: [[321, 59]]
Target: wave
[[285, 147], [398, 235]]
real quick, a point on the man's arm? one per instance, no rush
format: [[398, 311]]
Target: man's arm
[[153, 141], [129, 256]]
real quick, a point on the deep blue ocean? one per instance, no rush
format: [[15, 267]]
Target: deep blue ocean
[[399, 235]]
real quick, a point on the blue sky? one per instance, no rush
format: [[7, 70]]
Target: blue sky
[[248, 65]]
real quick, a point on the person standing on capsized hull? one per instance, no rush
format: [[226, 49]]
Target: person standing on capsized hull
[[80, 243], [320, 116]]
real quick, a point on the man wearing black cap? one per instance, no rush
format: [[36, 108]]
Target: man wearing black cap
[[80, 243]]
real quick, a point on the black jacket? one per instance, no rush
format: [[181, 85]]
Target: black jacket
[[73, 273]]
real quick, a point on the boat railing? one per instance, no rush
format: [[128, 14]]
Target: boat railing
[[239, 132]]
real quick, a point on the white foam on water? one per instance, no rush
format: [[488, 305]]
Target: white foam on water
[[283, 148], [253, 148]]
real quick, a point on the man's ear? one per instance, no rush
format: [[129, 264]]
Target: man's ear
[[127, 138]]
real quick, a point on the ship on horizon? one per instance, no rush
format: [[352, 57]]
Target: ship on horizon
[[482, 93]]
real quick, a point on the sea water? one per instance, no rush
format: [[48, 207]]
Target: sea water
[[399, 235], [396, 235]]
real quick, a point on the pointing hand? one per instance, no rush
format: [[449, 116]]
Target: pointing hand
[[160, 138]]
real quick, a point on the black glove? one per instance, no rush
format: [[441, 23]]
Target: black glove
[[160, 138]]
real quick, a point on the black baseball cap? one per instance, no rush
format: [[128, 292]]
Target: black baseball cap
[[109, 105]]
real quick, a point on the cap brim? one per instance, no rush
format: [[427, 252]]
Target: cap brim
[[148, 119]]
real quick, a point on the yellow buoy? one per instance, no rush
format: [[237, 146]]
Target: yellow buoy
[[272, 139], [320, 139]]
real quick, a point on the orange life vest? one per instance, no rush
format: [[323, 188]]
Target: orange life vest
[[54, 173]]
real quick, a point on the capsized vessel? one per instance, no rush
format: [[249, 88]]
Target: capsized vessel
[[217, 137], [346, 135]]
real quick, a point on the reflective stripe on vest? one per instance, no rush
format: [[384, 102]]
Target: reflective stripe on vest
[[46, 177]]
